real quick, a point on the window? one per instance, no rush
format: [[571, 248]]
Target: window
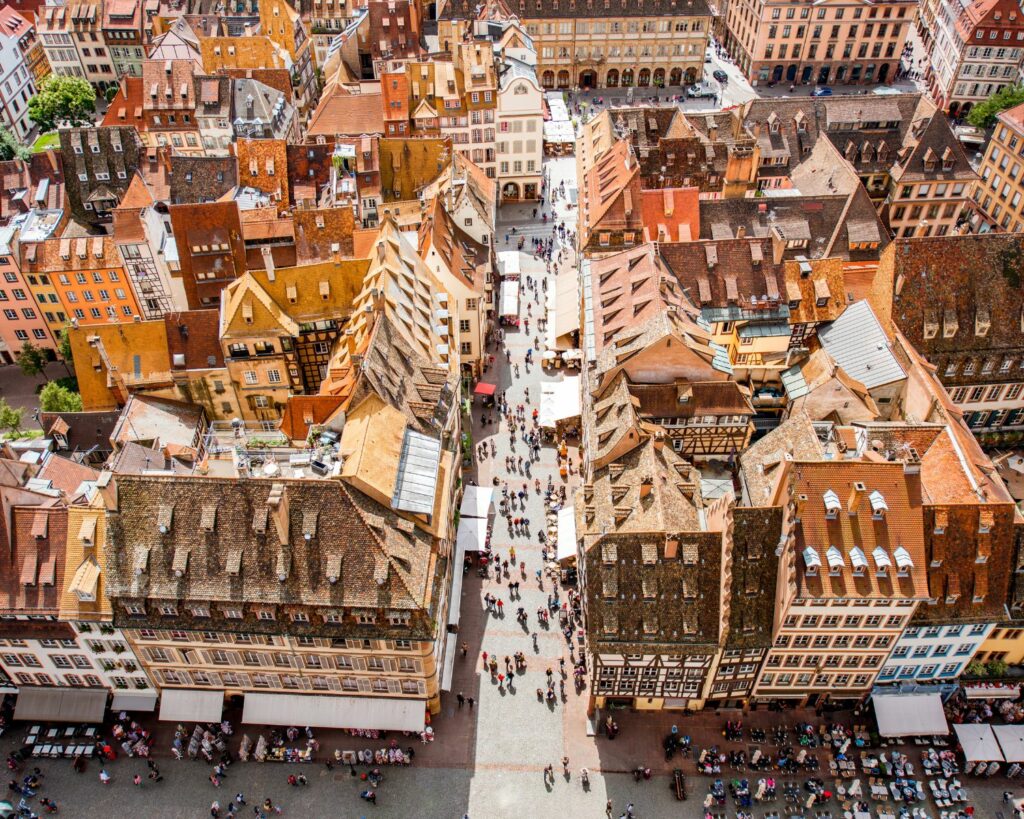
[[250, 377]]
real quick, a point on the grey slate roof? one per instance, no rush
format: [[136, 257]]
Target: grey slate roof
[[859, 345]]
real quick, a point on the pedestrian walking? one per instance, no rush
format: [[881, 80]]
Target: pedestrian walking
[[461, 699], [240, 798], [137, 781], [215, 809], [608, 809], [465, 650], [470, 701]]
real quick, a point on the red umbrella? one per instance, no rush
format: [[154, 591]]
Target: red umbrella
[[483, 388]]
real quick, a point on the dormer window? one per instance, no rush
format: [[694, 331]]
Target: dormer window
[[811, 561], [835, 561], [878, 505], [858, 560], [882, 561], [904, 563], [832, 505]]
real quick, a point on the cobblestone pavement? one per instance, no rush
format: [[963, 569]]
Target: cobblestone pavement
[[487, 761]]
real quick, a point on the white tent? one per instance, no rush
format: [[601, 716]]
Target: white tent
[[472, 535], [979, 743], [476, 502], [516, 263], [566, 533], [1011, 741], [909, 715], [563, 306], [559, 400], [510, 297]]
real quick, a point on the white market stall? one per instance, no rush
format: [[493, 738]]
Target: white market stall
[[909, 715], [472, 535], [476, 502], [992, 691], [509, 304], [563, 309], [1011, 741], [515, 263], [979, 743], [559, 401], [334, 711], [566, 534]]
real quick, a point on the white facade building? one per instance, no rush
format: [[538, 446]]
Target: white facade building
[[933, 654], [17, 87], [520, 131]]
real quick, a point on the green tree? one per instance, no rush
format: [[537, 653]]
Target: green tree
[[62, 100], [55, 397], [10, 148], [32, 359], [983, 115], [10, 418]]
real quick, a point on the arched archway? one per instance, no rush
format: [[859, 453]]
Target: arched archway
[[563, 79], [777, 73], [966, 109], [658, 78], [953, 108], [627, 77], [611, 80], [791, 73], [805, 75], [823, 75], [691, 76], [676, 77], [883, 73], [841, 73], [588, 79], [644, 78], [510, 190], [548, 79]]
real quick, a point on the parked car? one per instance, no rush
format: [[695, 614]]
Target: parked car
[[700, 92], [720, 75], [822, 91]]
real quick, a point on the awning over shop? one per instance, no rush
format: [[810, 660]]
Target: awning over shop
[[559, 400], [1011, 741], [909, 715], [510, 298], [134, 701], [61, 704], [472, 535], [319, 711], [567, 303], [483, 388], [476, 502], [979, 743], [992, 691], [187, 705], [566, 533], [451, 645], [455, 603]]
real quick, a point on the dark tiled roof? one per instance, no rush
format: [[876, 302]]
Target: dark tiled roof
[[755, 534], [686, 399], [248, 544], [974, 278], [32, 568], [194, 334], [201, 178], [85, 429]]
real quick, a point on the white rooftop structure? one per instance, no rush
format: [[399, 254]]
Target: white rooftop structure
[[860, 346]]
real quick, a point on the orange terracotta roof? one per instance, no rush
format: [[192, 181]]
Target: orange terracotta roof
[[302, 411], [348, 114], [852, 486], [672, 214], [363, 242]]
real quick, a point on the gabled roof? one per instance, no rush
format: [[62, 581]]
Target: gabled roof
[[342, 113], [938, 145]]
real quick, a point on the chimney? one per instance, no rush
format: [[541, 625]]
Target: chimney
[[107, 487], [856, 493], [350, 342], [801, 502], [659, 441], [277, 500], [741, 231], [268, 263], [646, 487]]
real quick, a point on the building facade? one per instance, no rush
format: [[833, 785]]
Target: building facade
[[844, 43]]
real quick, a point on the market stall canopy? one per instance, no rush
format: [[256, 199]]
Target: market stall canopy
[[1011, 741], [510, 298], [451, 646], [909, 715], [979, 743], [516, 263], [559, 400], [134, 701], [61, 704], [472, 535], [483, 388], [185, 705], [566, 533], [476, 502], [992, 691], [369, 713]]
